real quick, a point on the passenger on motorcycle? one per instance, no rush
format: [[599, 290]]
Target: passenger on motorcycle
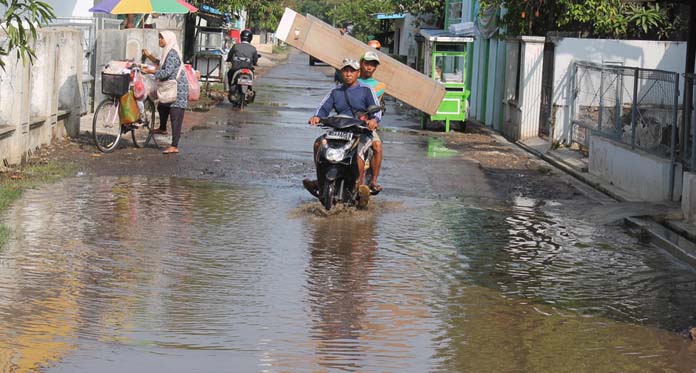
[[349, 98], [368, 65], [242, 55]]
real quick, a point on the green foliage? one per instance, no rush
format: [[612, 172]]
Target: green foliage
[[262, 14], [422, 8], [591, 18], [265, 14], [645, 18], [21, 20]]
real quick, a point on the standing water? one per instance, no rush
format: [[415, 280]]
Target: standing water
[[142, 274]]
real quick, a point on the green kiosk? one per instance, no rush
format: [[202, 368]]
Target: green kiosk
[[444, 59]]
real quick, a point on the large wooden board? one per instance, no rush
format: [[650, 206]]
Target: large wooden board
[[312, 36]]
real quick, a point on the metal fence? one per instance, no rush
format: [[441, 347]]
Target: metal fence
[[689, 148], [638, 107]]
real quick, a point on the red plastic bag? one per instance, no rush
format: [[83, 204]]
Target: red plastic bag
[[139, 86], [194, 86]]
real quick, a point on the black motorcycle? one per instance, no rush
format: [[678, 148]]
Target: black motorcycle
[[337, 160], [242, 91]]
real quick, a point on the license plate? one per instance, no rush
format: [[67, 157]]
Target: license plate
[[244, 82], [339, 135]]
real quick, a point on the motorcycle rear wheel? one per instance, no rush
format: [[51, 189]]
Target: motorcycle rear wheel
[[242, 98]]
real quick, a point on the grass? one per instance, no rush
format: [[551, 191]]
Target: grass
[[14, 183], [280, 50]]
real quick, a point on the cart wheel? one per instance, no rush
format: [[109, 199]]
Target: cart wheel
[[424, 121]]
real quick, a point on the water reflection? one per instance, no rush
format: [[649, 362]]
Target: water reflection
[[136, 274], [342, 253]]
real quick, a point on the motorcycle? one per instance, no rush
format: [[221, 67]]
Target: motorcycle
[[241, 92], [337, 160]]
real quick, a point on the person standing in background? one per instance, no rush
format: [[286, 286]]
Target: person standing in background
[[171, 67]]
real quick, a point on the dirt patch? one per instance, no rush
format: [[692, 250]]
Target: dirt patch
[[513, 171]]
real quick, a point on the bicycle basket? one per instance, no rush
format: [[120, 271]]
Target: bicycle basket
[[115, 84]]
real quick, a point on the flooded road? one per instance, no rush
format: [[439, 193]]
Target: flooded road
[[236, 268]]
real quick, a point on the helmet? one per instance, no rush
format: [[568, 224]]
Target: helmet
[[374, 44], [246, 36]]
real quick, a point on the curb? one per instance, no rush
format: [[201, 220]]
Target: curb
[[677, 245], [678, 242]]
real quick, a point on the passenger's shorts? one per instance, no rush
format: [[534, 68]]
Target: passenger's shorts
[[366, 140]]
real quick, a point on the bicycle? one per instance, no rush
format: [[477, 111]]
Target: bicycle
[[107, 129]]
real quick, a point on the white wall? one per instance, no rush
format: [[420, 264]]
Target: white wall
[[643, 175], [407, 43], [40, 102], [661, 55], [521, 113]]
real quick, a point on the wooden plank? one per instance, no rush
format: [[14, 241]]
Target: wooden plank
[[313, 36]]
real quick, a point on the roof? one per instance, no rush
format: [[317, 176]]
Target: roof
[[381, 16], [445, 36]]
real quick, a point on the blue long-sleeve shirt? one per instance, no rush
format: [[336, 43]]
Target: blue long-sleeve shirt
[[361, 97]]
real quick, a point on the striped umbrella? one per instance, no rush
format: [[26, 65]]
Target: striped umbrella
[[143, 7]]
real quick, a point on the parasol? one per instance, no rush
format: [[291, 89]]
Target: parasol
[[143, 7]]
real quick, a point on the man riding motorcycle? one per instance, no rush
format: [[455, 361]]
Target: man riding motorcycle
[[242, 55], [349, 98]]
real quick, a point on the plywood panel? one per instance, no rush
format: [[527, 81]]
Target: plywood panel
[[312, 36]]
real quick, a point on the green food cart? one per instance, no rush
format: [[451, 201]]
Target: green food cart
[[444, 59]]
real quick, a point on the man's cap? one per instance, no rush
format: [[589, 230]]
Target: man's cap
[[350, 62], [370, 56]]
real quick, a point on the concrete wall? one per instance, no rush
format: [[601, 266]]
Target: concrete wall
[[688, 203], [669, 56], [114, 45], [643, 175], [522, 102], [40, 102]]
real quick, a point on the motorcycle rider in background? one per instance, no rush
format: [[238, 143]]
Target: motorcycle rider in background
[[242, 55]]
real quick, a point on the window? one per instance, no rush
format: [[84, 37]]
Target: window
[[453, 12], [449, 69]]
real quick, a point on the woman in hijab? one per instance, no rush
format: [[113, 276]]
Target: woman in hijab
[[170, 67]]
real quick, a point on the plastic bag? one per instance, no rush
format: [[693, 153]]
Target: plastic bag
[[150, 86], [194, 85], [128, 111], [139, 86]]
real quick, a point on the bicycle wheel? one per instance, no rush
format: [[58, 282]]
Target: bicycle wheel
[[145, 125], [106, 127]]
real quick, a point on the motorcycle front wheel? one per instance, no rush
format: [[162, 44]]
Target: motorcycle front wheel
[[328, 194]]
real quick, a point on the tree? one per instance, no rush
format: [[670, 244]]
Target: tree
[[421, 9], [19, 23], [263, 14], [592, 18]]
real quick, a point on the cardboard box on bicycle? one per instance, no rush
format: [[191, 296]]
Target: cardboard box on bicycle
[[313, 36]]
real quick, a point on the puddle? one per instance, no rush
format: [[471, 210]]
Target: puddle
[[437, 149], [137, 273]]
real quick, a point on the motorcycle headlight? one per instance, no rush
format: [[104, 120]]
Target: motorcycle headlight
[[335, 155]]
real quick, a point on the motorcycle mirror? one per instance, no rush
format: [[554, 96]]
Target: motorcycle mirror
[[372, 109]]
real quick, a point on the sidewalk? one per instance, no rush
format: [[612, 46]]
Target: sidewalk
[[668, 230]]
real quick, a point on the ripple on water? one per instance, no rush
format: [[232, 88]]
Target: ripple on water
[[128, 273]]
